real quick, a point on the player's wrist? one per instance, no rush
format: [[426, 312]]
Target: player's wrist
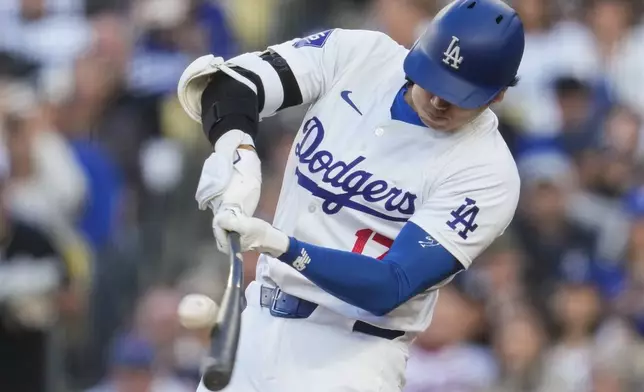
[[292, 252], [276, 243], [247, 147], [232, 140]]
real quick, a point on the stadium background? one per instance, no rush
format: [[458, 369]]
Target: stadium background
[[98, 168]]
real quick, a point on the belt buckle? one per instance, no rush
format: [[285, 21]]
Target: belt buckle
[[274, 311]]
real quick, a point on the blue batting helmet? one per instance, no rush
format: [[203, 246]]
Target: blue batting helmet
[[469, 53]]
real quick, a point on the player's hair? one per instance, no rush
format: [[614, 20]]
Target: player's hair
[[514, 81]]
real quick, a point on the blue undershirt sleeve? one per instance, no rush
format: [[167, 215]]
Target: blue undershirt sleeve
[[414, 263]]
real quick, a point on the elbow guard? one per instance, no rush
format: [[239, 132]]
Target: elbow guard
[[229, 104], [238, 93]]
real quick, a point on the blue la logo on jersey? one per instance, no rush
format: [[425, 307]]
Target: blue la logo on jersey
[[315, 40], [464, 218], [350, 181]]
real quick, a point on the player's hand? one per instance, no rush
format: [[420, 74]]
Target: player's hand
[[231, 177], [254, 234]]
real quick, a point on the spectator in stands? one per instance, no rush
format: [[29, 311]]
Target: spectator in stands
[[610, 21], [626, 80], [629, 299], [47, 187], [442, 358], [606, 172], [578, 115], [133, 369], [617, 358], [156, 318], [530, 105], [568, 364], [50, 33], [519, 340], [550, 239], [619, 142], [498, 277], [404, 20], [34, 293], [578, 126]]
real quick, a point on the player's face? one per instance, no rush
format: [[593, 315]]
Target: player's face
[[439, 114]]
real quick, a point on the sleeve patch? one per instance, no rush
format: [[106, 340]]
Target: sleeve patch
[[316, 40], [463, 218]]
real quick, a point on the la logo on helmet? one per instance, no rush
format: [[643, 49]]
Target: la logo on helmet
[[453, 56]]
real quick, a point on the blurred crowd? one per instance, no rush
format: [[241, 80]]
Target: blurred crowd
[[100, 236]]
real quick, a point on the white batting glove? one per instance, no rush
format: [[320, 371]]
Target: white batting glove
[[254, 234], [230, 177], [225, 163]]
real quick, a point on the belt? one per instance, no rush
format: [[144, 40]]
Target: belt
[[285, 305]]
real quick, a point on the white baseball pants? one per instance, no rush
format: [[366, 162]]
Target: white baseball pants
[[317, 354]]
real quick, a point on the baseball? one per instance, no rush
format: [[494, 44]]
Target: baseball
[[197, 311]]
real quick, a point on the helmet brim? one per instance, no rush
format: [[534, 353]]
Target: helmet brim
[[438, 80]]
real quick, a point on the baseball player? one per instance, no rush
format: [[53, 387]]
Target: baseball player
[[397, 179]]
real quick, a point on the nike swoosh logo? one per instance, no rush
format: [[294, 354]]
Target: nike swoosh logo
[[345, 96]]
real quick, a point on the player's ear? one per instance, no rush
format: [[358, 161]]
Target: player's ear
[[499, 97]]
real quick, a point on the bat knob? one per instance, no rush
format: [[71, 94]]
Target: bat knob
[[216, 377]]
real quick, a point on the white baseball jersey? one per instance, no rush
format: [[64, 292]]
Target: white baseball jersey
[[354, 175]]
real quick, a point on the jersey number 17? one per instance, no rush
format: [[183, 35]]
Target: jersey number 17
[[366, 235]]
